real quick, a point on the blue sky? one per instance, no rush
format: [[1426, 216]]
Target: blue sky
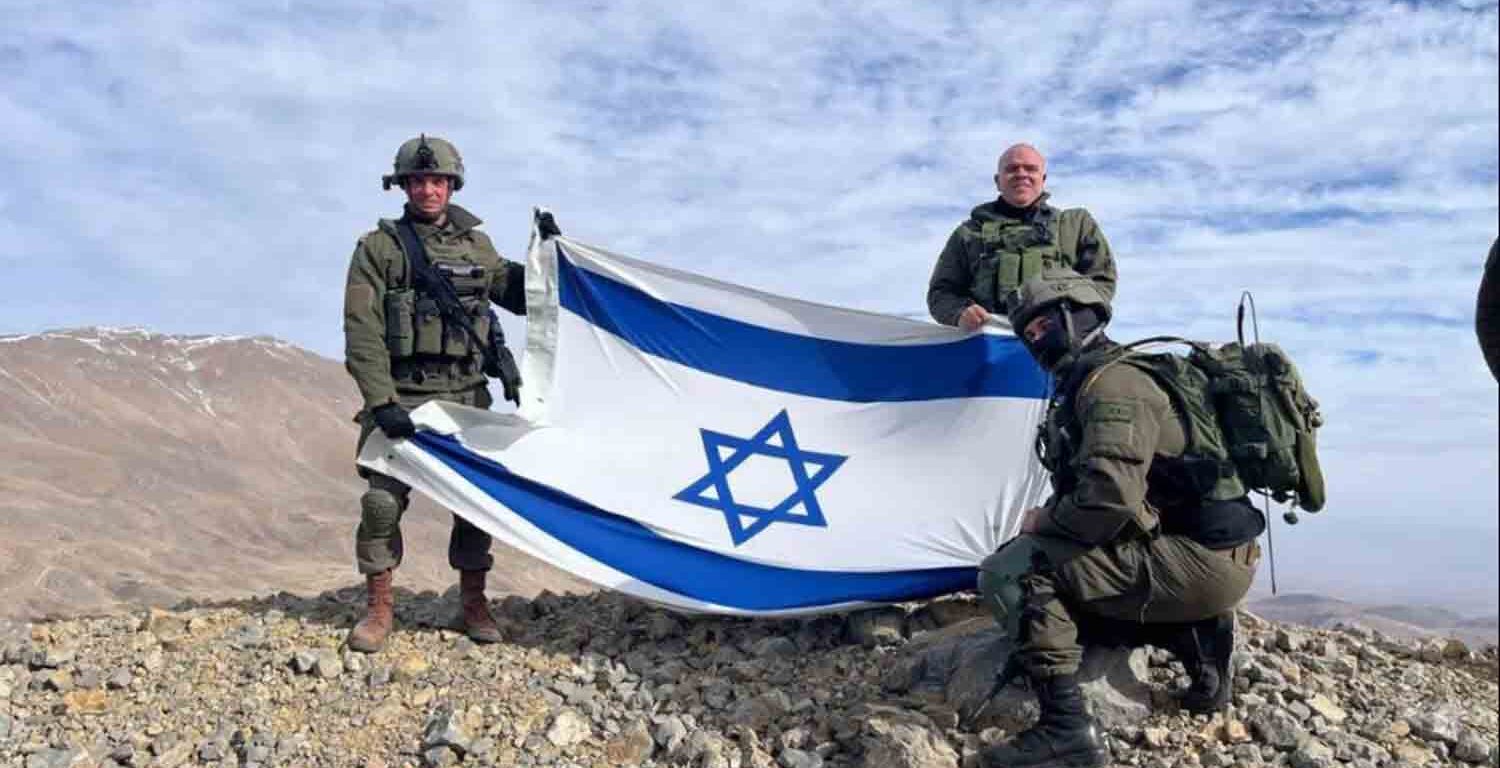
[[206, 168]]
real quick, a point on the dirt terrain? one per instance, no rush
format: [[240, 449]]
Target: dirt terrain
[[142, 468]]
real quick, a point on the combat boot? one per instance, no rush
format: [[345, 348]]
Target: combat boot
[[1206, 649], [1064, 734], [477, 622], [368, 636]]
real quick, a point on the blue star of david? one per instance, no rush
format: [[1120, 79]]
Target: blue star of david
[[800, 508]]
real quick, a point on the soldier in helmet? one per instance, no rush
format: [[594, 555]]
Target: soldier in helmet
[[1006, 241], [1125, 550], [402, 353]]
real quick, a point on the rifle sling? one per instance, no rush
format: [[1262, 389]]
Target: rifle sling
[[437, 284]]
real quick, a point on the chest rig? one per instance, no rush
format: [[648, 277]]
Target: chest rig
[[423, 343], [1013, 251]]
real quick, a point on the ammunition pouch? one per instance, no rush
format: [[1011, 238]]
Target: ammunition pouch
[[451, 316], [400, 320], [422, 370], [416, 326], [1015, 251]]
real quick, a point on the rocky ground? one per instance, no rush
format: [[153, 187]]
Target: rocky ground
[[599, 680]]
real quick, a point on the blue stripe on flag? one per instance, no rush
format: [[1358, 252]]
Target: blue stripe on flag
[[978, 366], [633, 549]]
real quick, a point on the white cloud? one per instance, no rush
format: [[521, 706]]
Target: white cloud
[[206, 167]]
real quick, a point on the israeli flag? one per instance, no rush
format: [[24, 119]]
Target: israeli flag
[[717, 449]]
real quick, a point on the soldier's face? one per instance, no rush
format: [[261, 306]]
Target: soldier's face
[[428, 194], [1037, 329], [1021, 175], [1046, 338]]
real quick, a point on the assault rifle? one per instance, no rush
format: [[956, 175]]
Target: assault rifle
[[497, 360]]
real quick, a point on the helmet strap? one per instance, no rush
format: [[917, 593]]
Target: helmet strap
[[1077, 347], [1090, 336]]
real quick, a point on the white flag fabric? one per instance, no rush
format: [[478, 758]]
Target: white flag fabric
[[718, 449]]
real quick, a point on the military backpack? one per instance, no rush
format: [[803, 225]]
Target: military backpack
[[1249, 420]]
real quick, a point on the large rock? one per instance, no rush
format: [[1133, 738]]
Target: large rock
[[1313, 754], [895, 738], [1439, 724], [959, 664], [669, 733], [631, 747], [56, 758], [1277, 728], [758, 712], [442, 730], [877, 626], [568, 728], [1472, 748]]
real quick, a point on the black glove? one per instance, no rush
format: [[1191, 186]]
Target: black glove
[[393, 421], [546, 226], [509, 374]]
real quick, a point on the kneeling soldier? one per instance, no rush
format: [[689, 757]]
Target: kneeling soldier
[[1126, 548]]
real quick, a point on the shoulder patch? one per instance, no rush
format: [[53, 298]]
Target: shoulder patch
[[1112, 410], [1109, 431]]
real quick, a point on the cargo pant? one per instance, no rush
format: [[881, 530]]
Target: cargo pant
[[377, 542], [1140, 581]]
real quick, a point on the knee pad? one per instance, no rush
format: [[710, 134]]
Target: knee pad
[[1001, 578], [380, 512]]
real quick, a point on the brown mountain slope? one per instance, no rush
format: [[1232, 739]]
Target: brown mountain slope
[[1403, 621], [143, 468]]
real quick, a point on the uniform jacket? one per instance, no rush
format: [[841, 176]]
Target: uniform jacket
[[378, 265], [1122, 422], [999, 246]]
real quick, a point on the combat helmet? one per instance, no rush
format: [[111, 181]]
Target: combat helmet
[[1039, 293], [1080, 310], [428, 155]]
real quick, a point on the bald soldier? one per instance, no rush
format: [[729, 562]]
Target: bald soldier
[[1136, 544], [1013, 238]]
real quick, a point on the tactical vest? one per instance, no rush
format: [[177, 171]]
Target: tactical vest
[[1248, 422], [1014, 251], [420, 341], [1203, 473]]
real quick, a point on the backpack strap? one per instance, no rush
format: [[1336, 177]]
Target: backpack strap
[[1225, 483], [1121, 353]]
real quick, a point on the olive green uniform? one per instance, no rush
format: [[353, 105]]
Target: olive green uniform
[[999, 247], [398, 350], [1487, 311], [1105, 552]]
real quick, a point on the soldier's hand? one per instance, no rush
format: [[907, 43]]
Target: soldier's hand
[[973, 317], [546, 226], [1031, 520], [393, 421], [512, 392]]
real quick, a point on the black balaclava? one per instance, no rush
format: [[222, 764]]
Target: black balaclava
[[1072, 328]]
